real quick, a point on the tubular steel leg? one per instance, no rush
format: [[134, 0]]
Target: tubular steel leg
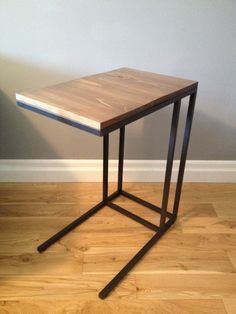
[[169, 164], [187, 132], [69, 227], [163, 210], [93, 210], [105, 166], [124, 271], [121, 158]]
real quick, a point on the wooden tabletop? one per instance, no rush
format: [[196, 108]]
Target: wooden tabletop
[[101, 100]]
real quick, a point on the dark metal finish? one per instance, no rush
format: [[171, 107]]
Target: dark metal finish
[[107, 200], [169, 164], [70, 227], [144, 203], [75, 223], [105, 166], [184, 152], [133, 216], [121, 159], [60, 119], [124, 271]]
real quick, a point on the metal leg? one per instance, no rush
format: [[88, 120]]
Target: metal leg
[[124, 271], [187, 132], [107, 199], [164, 226], [69, 227], [105, 166], [169, 164], [121, 158], [93, 210]]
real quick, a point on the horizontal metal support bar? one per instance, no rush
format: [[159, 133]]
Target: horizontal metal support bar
[[144, 203], [114, 282], [70, 227], [133, 216]]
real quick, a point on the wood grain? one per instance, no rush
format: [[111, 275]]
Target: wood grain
[[73, 305], [191, 270], [230, 305], [186, 286], [100, 100]]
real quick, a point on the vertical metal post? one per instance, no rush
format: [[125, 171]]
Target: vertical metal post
[[105, 166], [187, 132], [169, 164], [121, 158]]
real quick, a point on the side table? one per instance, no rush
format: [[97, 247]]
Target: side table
[[108, 101]]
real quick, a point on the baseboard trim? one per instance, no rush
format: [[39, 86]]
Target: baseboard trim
[[67, 170]]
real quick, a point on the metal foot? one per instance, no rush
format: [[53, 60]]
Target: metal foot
[[124, 271], [75, 223], [68, 228]]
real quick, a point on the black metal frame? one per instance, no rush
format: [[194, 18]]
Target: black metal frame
[[167, 218]]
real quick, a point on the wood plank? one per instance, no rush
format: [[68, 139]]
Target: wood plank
[[73, 305], [48, 263], [190, 270], [186, 286], [25, 186], [44, 226], [225, 208], [46, 210], [208, 225], [194, 193], [45, 197], [28, 242], [100, 100], [232, 256], [230, 305], [53, 210], [158, 260], [83, 287], [26, 233], [201, 241]]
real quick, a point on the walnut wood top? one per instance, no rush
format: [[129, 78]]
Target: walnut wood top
[[100, 100]]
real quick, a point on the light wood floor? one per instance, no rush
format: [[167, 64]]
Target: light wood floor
[[191, 270]]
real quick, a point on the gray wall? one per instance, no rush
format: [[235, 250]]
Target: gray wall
[[49, 41]]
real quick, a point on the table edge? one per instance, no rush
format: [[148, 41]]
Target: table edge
[[112, 124]]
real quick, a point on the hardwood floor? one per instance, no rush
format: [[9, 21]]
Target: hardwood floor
[[191, 270]]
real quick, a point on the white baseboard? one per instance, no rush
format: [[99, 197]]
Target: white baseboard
[[67, 170]]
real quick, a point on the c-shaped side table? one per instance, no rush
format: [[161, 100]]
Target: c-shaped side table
[[104, 102]]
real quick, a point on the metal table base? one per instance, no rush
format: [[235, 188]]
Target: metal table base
[[167, 218]]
